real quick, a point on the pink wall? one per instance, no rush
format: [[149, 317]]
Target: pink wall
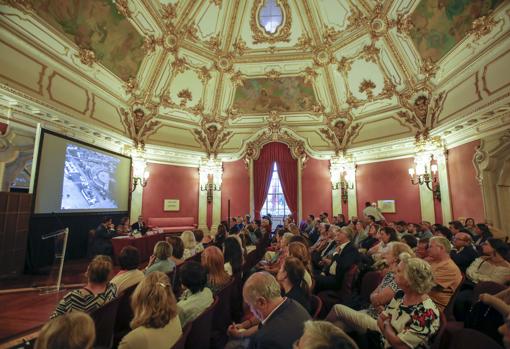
[[465, 192], [236, 187], [171, 182], [389, 180], [316, 188]]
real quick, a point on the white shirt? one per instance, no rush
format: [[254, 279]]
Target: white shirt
[[373, 211], [332, 267]]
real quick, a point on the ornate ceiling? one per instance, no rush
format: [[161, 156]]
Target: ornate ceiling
[[203, 77]]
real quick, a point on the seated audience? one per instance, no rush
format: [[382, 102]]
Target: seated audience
[[96, 292], [214, 264], [160, 259], [281, 319], [299, 250], [464, 253], [155, 322], [140, 226], [190, 244], [470, 226], [426, 230], [499, 301], [102, 243], [177, 249], [291, 277], [371, 239], [323, 237], [323, 335], [384, 292], [233, 256], [359, 234], [493, 265], [128, 275], [385, 235], [196, 297], [411, 318], [221, 235], [422, 248], [446, 273], [455, 227], [275, 266], [199, 237], [75, 330], [410, 240], [482, 234], [344, 257], [124, 228], [293, 229]]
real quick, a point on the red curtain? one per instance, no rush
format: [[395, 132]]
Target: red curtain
[[287, 171]]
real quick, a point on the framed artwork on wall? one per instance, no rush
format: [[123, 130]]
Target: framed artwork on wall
[[171, 205], [386, 206]]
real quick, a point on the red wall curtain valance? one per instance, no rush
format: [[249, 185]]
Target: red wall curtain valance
[[287, 171]]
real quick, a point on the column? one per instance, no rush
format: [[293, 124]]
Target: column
[[300, 190], [336, 201], [202, 198], [216, 211], [446, 205], [141, 175], [252, 189], [136, 203], [427, 204], [352, 201]]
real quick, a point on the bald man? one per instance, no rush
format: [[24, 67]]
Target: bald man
[[281, 319], [464, 253]]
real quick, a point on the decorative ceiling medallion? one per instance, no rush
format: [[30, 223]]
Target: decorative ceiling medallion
[[281, 32], [86, 56], [171, 42], [323, 57], [224, 63]]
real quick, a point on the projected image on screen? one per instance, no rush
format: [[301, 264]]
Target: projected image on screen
[[89, 179]]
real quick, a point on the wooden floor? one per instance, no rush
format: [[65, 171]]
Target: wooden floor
[[22, 312]]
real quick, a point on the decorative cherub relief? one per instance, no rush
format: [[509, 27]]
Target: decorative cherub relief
[[140, 123], [212, 136], [340, 134], [422, 111]]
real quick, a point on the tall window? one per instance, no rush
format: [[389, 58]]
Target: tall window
[[275, 203]]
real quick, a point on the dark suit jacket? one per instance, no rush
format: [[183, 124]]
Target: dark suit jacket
[[142, 230], [282, 328], [464, 258], [348, 257], [103, 240]]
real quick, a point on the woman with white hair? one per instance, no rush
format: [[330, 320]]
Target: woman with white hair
[[188, 239], [411, 318]]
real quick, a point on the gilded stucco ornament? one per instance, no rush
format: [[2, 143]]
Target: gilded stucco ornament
[[482, 26], [86, 56], [237, 79], [309, 75], [131, 85], [367, 86], [185, 97], [421, 110], [212, 136], [24, 6], [340, 133], [239, 47], [123, 8], [225, 63], [169, 11], [273, 74], [140, 122]]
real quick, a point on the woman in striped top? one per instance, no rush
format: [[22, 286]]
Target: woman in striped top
[[96, 292]]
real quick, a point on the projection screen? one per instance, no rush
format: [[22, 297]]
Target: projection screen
[[73, 177]]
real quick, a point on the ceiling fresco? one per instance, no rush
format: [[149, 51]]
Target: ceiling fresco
[[440, 24], [281, 94], [98, 26]]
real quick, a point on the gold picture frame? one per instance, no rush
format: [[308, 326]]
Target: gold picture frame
[[386, 206]]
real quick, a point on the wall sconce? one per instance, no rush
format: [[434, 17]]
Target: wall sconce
[[140, 172], [424, 171], [342, 171], [210, 177]]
